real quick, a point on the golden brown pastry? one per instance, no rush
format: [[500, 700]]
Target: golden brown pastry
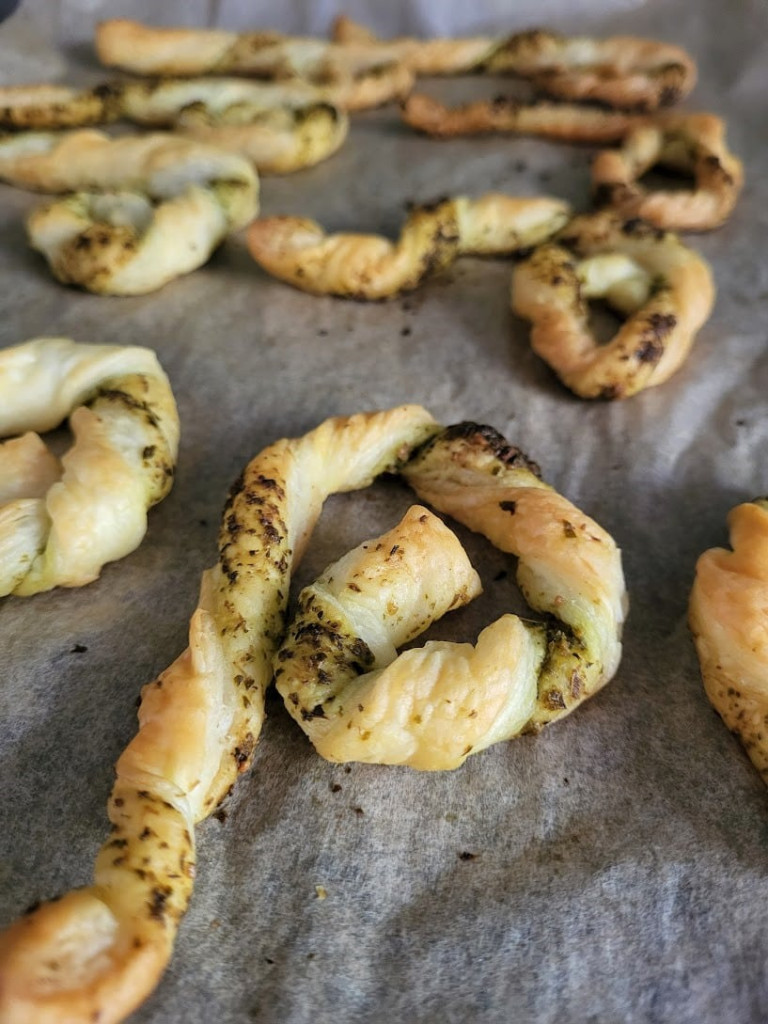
[[145, 209], [358, 78], [729, 619], [96, 953], [663, 289], [338, 669], [620, 71], [692, 144], [567, 122], [370, 267], [61, 522], [51, 105]]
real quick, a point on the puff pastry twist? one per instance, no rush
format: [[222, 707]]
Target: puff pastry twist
[[60, 522], [279, 127], [144, 209], [691, 144], [663, 288], [430, 708], [358, 78], [728, 616], [96, 953], [370, 267], [621, 71]]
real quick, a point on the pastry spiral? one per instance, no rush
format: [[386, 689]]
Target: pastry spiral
[[370, 267], [98, 952], [338, 669], [663, 288], [358, 78], [728, 616], [620, 71], [61, 522], [144, 209]]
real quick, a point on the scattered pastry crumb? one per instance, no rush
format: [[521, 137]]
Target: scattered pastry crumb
[[321, 892]]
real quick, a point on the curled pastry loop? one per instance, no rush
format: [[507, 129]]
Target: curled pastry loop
[[198, 728], [61, 522], [144, 209], [357, 78], [663, 289], [370, 267], [692, 144], [567, 122], [621, 71], [338, 669], [728, 616]]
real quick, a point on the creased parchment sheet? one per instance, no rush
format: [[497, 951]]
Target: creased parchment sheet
[[612, 869]]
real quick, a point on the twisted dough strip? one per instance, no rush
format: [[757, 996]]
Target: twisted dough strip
[[338, 669], [567, 122], [664, 289], [690, 143], [728, 616], [99, 951], [359, 79], [370, 267], [118, 241], [279, 127], [621, 71], [59, 524]]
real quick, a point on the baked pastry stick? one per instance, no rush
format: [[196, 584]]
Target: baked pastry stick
[[279, 127], [662, 288], [728, 615], [359, 79], [62, 521], [370, 267], [692, 144], [143, 209], [566, 122], [430, 708], [621, 71], [97, 952]]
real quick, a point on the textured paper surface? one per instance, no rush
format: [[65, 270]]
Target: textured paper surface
[[618, 868]]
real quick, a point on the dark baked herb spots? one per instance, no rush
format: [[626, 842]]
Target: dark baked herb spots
[[508, 506]]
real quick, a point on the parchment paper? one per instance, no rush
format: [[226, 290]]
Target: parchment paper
[[612, 869]]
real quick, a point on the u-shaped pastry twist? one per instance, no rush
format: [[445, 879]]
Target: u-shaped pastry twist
[[371, 267], [144, 209], [430, 708], [663, 288], [96, 953], [728, 616], [61, 522]]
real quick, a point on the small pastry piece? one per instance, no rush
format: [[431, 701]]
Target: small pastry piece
[[357, 700], [99, 951], [57, 106], [663, 288], [692, 144], [60, 523], [728, 616], [145, 209], [621, 71], [358, 78], [567, 122], [370, 267]]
